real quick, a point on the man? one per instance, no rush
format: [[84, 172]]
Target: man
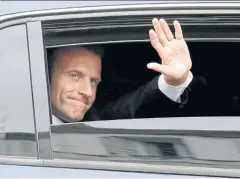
[[76, 73]]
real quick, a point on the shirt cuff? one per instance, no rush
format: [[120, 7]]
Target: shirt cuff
[[173, 92]]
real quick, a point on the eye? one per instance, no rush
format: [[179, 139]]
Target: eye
[[74, 75], [93, 81]]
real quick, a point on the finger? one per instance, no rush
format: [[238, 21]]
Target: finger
[[160, 68], [160, 34], [178, 30], [154, 41], [166, 29]]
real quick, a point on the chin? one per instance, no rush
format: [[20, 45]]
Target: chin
[[77, 118]]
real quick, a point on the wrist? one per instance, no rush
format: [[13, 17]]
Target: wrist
[[175, 82]]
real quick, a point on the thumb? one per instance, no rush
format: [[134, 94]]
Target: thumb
[[159, 68]]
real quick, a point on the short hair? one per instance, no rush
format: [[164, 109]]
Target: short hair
[[96, 49]]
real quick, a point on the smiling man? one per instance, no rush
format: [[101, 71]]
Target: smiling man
[[76, 73]]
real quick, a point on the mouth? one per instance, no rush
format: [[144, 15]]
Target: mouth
[[78, 102]]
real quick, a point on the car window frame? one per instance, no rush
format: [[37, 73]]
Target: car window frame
[[79, 163], [105, 165], [40, 89]]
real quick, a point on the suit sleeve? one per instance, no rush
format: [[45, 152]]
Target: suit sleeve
[[148, 97]]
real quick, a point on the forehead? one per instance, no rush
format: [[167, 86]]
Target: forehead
[[77, 57]]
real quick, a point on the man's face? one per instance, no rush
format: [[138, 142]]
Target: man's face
[[75, 77]]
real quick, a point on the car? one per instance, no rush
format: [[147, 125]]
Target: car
[[199, 140]]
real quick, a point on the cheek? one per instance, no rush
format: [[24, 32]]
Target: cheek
[[93, 97], [62, 88], [66, 88], [54, 90]]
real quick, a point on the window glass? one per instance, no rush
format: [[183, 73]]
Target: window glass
[[17, 131]]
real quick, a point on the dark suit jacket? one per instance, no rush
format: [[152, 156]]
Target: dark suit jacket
[[146, 101]]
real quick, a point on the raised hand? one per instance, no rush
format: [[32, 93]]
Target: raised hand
[[174, 53]]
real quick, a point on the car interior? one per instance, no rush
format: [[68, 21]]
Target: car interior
[[214, 91]]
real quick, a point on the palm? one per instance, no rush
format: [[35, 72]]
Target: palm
[[174, 54]]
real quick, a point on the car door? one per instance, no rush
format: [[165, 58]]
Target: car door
[[18, 137]]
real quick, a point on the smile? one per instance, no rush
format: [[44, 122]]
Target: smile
[[78, 102]]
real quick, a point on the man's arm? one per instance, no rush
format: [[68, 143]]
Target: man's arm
[[174, 92], [155, 91], [175, 70]]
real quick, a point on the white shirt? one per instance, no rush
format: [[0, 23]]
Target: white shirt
[[172, 92], [56, 121]]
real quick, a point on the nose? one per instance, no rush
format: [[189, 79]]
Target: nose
[[85, 88]]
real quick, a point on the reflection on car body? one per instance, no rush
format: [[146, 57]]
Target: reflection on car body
[[153, 145]]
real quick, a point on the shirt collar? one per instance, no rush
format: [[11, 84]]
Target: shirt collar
[[56, 121]]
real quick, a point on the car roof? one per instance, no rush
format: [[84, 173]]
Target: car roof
[[10, 7]]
